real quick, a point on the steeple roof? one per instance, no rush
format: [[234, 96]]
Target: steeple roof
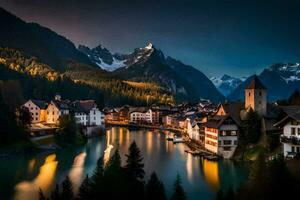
[[256, 84]]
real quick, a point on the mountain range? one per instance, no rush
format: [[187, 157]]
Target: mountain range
[[280, 79], [97, 65], [148, 64], [145, 72]]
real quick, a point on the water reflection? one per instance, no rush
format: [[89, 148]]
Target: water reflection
[[200, 178], [76, 172], [27, 190], [211, 174], [31, 165]]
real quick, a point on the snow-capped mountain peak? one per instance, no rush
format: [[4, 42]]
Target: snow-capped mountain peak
[[103, 58], [149, 46], [226, 84], [290, 72]]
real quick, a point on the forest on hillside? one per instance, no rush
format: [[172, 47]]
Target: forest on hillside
[[78, 81]]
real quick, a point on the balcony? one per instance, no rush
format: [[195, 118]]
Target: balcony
[[290, 139]]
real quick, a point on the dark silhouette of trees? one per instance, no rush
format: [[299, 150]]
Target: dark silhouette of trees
[[67, 189], [113, 181], [55, 195], [251, 129], [84, 190], [154, 189], [179, 193]]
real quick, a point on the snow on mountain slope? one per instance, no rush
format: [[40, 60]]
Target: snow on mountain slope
[[102, 57], [226, 84]]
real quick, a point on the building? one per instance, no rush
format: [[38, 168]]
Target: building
[[141, 115], [56, 108], [256, 96], [37, 109], [221, 130], [87, 113], [221, 135], [291, 130]]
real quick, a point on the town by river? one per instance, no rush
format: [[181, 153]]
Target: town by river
[[22, 176]]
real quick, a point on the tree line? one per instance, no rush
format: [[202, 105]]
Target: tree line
[[111, 180], [115, 92]]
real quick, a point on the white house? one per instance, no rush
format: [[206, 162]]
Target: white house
[[141, 115], [87, 113], [291, 130], [221, 131], [37, 110]]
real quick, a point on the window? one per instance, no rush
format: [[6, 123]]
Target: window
[[298, 149], [293, 149], [52, 112], [298, 131], [259, 93], [227, 142], [36, 118], [233, 132], [227, 148], [249, 94], [235, 142], [293, 131], [259, 102]]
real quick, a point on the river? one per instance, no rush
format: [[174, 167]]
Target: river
[[21, 177]]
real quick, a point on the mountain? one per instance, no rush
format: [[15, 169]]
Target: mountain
[[226, 84], [280, 79], [149, 64], [36, 40], [102, 57]]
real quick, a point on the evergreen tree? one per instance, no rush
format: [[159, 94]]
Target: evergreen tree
[[84, 190], [67, 189], [294, 99], [179, 193], [55, 195], [155, 188], [251, 127], [134, 164]]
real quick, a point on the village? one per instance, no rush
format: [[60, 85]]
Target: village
[[213, 128]]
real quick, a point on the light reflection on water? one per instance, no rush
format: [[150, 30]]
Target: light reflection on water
[[211, 174], [26, 190], [201, 178], [76, 173]]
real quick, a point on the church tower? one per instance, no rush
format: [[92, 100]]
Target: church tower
[[256, 96]]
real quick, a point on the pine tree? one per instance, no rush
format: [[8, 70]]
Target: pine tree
[[84, 189], [251, 127], [55, 193], [155, 188], [67, 189], [134, 165], [179, 193]]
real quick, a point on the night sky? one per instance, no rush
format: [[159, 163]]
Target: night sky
[[235, 37]]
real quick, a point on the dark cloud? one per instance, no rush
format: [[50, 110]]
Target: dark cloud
[[238, 37]]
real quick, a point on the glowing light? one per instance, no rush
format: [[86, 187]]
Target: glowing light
[[76, 173], [211, 174], [189, 167], [107, 153], [28, 190]]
